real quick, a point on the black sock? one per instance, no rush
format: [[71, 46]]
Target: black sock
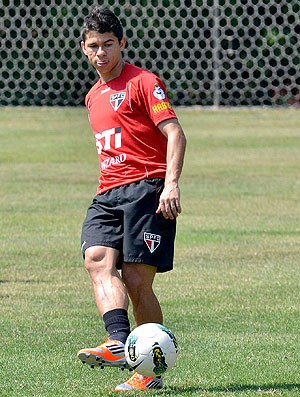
[[117, 324]]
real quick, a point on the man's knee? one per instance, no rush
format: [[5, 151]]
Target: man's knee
[[138, 277], [92, 258], [99, 258]]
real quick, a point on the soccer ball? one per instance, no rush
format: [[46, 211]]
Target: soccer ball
[[151, 349]]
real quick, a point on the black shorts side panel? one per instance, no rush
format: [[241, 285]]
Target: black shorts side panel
[[103, 224]]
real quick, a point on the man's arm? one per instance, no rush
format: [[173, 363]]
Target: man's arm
[[169, 203]]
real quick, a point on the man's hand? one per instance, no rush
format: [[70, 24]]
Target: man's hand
[[169, 202]]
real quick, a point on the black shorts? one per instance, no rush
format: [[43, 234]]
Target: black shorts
[[124, 218]]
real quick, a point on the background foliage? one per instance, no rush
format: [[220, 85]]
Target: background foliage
[[208, 52]]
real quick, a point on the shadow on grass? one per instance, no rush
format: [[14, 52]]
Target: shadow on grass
[[263, 389]]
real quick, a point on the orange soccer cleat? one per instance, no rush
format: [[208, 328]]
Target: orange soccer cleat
[[109, 354], [140, 382]]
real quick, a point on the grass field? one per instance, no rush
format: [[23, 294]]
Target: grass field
[[233, 298]]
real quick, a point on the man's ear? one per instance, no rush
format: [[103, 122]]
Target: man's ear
[[122, 43], [83, 47]]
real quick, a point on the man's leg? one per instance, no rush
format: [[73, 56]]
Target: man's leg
[[138, 279], [112, 302], [109, 289]]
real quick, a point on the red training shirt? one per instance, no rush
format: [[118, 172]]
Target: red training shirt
[[124, 114]]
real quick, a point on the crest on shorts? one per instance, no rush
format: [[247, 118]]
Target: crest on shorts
[[152, 241], [117, 99]]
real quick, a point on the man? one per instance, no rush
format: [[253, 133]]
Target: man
[[131, 223]]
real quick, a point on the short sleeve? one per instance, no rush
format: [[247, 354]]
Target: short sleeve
[[153, 96]]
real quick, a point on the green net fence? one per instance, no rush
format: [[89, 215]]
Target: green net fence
[[213, 52]]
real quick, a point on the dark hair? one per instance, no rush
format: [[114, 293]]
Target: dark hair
[[102, 20]]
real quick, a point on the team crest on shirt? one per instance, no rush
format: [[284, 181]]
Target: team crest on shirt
[[117, 99], [158, 92], [152, 241]]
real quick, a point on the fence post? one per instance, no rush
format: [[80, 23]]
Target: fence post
[[216, 53]]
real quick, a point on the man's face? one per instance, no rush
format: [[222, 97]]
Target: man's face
[[104, 52]]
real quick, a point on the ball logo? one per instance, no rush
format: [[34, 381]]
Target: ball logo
[[131, 348], [160, 365], [152, 241]]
